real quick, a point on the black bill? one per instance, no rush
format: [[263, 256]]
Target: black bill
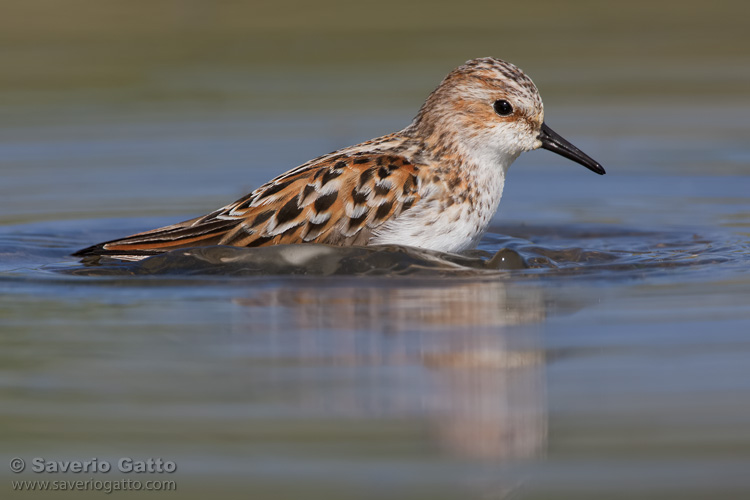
[[552, 141]]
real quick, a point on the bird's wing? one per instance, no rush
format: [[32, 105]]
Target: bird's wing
[[339, 199]]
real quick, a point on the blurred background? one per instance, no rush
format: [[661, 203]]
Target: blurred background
[[210, 98], [619, 370]]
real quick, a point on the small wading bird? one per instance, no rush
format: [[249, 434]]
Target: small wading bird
[[435, 184]]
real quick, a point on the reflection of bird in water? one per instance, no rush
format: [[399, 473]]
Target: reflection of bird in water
[[449, 356], [435, 184]]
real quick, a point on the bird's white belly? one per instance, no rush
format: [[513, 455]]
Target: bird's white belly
[[457, 227]]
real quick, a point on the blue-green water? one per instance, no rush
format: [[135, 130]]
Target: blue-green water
[[616, 360]]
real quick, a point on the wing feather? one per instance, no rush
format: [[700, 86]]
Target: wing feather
[[339, 199]]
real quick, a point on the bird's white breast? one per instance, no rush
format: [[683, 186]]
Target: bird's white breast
[[459, 226]]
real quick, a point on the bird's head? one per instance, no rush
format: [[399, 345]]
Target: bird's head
[[490, 110]]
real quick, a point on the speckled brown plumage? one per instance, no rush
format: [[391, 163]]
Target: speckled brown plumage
[[435, 184], [339, 199]]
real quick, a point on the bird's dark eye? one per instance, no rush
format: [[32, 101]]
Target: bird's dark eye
[[502, 107]]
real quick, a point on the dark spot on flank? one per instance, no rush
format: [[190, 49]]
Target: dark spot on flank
[[360, 161], [319, 173], [379, 161], [274, 189], [384, 210], [340, 164], [383, 172], [259, 241], [358, 197], [365, 176], [263, 217], [288, 212], [409, 185], [435, 178], [454, 182], [392, 167], [242, 205], [324, 202], [382, 190], [314, 229], [329, 176], [309, 189], [357, 221], [407, 204]]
